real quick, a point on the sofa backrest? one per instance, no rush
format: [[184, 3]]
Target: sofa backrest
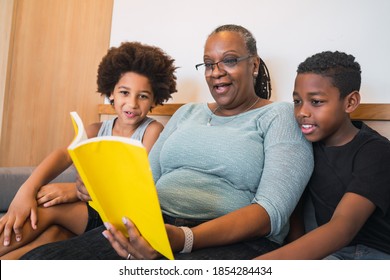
[[162, 113], [376, 115]]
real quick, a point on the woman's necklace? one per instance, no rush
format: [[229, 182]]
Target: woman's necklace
[[219, 107]]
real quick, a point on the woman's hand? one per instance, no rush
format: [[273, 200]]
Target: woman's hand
[[134, 247], [82, 192], [53, 194]]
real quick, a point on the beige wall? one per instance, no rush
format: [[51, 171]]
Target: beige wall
[[55, 50], [286, 31], [6, 9]]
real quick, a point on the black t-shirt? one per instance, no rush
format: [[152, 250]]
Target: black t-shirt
[[361, 166]]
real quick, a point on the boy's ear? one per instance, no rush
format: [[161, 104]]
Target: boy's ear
[[352, 101]]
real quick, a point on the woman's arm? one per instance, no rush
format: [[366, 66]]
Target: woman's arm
[[228, 229], [249, 222], [287, 169]]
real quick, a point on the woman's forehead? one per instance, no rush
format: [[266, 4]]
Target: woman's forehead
[[225, 41]]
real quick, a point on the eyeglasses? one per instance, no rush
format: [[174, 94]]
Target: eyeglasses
[[222, 64]]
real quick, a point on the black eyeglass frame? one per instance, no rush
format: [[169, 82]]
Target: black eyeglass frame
[[212, 65]]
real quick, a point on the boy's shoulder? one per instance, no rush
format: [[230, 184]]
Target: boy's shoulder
[[367, 133], [368, 143]]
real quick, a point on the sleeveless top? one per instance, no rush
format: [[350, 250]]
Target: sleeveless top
[[107, 125], [94, 219]]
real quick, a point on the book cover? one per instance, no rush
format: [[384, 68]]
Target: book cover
[[116, 172]]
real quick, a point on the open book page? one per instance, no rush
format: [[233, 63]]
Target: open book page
[[117, 175], [80, 137]]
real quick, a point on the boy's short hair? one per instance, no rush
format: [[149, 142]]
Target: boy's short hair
[[340, 67], [149, 61]]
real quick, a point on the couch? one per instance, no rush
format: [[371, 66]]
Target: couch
[[11, 178]]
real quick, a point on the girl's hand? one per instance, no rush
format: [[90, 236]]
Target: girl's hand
[[53, 194], [22, 207], [133, 247]]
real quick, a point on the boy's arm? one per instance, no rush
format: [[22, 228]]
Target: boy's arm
[[297, 226], [349, 217]]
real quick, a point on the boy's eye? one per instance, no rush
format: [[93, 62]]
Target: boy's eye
[[296, 101], [317, 102]]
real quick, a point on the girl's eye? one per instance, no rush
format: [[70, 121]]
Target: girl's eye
[[124, 92], [143, 96]]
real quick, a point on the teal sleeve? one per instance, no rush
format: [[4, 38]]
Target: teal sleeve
[[288, 166]]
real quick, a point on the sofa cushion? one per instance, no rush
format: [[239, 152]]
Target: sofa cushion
[[11, 178]]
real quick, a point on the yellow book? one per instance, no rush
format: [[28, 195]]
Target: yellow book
[[116, 172]]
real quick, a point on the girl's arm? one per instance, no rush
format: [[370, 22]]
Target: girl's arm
[[52, 194], [24, 205]]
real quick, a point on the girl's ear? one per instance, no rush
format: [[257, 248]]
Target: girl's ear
[[154, 104], [111, 98], [352, 101]]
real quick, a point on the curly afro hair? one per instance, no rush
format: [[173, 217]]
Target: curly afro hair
[[142, 59], [340, 67]]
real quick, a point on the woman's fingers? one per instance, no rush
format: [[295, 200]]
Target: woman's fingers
[[135, 244], [121, 251]]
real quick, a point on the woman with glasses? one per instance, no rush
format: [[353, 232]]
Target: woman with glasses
[[228, 173]]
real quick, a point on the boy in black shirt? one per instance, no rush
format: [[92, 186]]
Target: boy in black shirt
[[350, 184]]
